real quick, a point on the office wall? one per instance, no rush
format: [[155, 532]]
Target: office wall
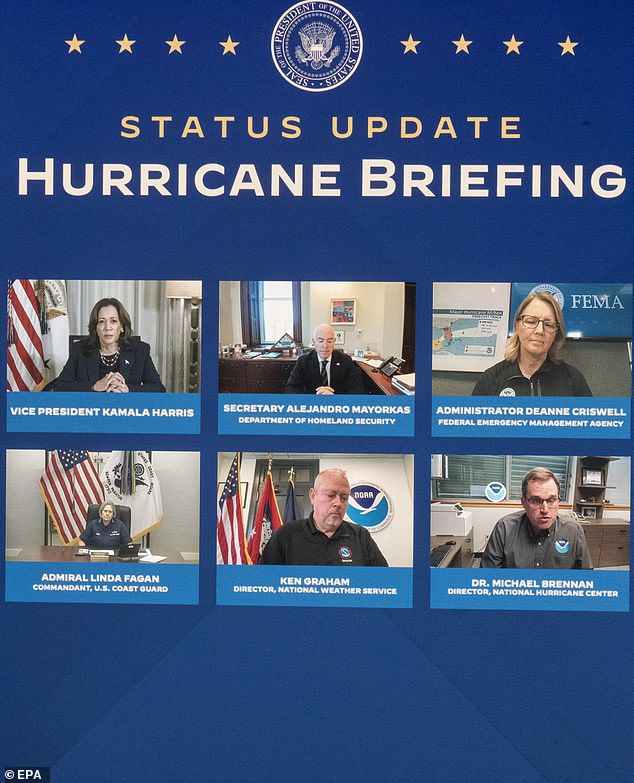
[[24, 503], [380, 308], [394, 473], [178, 474], [379, 318], [618, 491], [605, 365]]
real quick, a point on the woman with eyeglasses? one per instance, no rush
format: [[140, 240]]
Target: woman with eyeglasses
[[532, 366]]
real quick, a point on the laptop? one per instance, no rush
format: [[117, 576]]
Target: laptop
[[128, 551]]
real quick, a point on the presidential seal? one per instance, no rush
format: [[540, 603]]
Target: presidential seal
[[316, 46]]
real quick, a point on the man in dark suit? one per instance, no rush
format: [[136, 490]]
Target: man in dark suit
[[324, 370]]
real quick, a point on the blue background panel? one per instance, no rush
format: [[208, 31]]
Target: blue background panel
[[301, 694]]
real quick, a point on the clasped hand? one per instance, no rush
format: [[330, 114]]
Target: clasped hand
[[112, 382]]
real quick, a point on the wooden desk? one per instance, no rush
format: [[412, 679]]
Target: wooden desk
[[608, 541], [66, 554], [461, 553], [239, 375], [377, 383]]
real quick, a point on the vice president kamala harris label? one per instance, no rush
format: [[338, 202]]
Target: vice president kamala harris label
[[316, 46]]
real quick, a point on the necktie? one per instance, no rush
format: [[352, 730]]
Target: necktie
[[324, 374]]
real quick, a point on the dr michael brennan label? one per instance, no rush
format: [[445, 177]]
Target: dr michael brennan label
[[316, 46]]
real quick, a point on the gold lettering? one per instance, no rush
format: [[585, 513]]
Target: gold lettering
[[192, 126], [289, 124], [445, 126], [477, 121], [129, 124], [161, 125], [509, 126]]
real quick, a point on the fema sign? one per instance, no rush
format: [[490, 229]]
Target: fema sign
[[316, 46], [369, 506], [591, 310]]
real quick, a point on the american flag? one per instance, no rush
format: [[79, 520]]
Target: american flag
[[70, 483], [25, 356], [231, 543], [266, 522]]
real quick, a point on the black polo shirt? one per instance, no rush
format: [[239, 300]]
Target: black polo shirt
[[551, 380], [300, 543]]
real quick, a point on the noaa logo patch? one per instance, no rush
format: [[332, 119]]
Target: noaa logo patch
[[316, 46], [546, 288], [369, 506], [562, 546], [495, 492], [345, 553], [508, 392]]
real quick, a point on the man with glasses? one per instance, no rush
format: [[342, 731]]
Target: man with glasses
[[537, 537], [324, 370], [325, 538]]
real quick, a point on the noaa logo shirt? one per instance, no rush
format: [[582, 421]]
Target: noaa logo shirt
[[300, 543], [513, 544]]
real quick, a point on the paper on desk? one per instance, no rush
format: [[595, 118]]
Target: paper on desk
[[151, 559], [372, 362]]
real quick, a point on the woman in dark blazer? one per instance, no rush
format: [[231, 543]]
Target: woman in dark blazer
[[109, 359]]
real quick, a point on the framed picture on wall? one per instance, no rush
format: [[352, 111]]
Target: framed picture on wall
[[592, 477], [343, 311]]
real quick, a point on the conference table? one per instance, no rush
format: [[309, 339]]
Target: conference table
[[67, 554]]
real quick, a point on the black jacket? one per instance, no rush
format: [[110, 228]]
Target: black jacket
[[81, 371], [551, 380], [345, 376]]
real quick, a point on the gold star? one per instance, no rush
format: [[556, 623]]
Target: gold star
[[125, 44], [410, 45], [512, 45], [175, 45], [74, 45], [228, 45], [462, 45], [568, 47]]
